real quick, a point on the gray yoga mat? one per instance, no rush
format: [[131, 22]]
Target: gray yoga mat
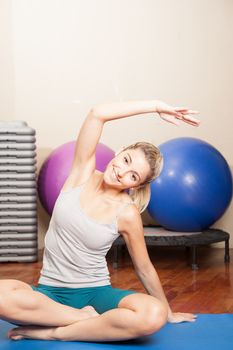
[[17, 153], [17, 244], [18, 258], [18, 228], [16, 191], [18, 236], [18, 251], [17, 168], [17, 161], [17, 206], [17, 221], [17, 199], [18, 214], [17, 183], [17, 146], [17, 176], [16, 127], [17, 138]]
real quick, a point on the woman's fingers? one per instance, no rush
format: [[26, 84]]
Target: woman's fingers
[[185, 110], [169, 118], [184, 118], [191, 120], [189, 317], [173, 114], [178, 317]]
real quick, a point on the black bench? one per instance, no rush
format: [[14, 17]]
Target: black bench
[[157, 236]]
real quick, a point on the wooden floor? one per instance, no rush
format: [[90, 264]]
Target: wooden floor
[[207, 290]]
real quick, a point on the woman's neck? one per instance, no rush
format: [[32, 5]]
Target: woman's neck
[[107, 191]]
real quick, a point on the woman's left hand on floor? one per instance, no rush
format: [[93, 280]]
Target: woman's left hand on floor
[[178, 317]]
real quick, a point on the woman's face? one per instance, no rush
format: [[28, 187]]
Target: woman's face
[[127, 170]]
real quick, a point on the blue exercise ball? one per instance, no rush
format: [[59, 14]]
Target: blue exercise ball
[[194, 188]]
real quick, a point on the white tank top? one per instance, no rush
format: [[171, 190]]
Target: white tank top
[[76, 245]]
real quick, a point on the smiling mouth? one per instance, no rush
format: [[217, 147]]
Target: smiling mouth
[[115, 174]]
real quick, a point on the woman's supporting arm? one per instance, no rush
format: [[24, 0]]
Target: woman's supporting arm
[[131, 228]]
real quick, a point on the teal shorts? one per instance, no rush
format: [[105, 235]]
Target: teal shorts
[[102, 298]]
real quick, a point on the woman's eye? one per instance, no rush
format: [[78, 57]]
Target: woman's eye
[[126, 160], [134, 177]]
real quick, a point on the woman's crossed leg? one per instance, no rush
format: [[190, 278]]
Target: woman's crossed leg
[[21, 305], [137, 315]]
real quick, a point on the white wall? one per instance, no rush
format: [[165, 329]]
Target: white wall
[[71, 54], [7, 103]]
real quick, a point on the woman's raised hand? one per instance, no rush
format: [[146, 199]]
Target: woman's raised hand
[[176, 114]]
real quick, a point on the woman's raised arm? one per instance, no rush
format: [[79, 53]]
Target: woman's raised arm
[[92, 127], [84, 160]]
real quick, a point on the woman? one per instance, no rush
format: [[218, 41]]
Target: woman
[[74, 299]]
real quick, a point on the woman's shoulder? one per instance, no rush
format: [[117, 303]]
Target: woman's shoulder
[[126, 199], [128, 218], [129, 211]]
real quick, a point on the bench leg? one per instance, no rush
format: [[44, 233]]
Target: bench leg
[[187, 249], [115, 256], [194, 257], [227, 254]]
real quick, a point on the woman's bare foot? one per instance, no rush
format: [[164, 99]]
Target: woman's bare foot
[[31, 332], [90, 311]]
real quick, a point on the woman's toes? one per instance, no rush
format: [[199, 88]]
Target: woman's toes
[[91, 311], [16, 337], [13, 334]]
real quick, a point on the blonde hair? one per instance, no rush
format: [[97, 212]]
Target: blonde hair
[[141, 195]]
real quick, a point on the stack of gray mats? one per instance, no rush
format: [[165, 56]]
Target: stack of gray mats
[[18, 195]]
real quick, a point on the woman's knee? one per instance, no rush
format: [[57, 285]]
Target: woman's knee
[[7, 287], [154, 318], [151, 313], [10, 285], [15, 300]]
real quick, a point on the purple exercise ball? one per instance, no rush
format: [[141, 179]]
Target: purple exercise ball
[[57, 166]]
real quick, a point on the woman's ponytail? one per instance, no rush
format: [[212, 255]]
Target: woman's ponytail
[[141, 197]]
